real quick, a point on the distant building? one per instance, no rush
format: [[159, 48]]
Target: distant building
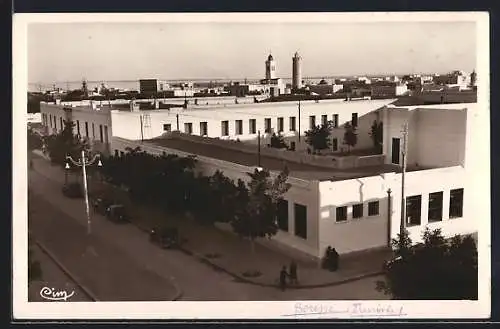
[[152, 86], [296, 72], [274, 85], [270, 68], [388, 90]]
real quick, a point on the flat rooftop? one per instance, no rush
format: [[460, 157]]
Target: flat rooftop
[[297, 170]]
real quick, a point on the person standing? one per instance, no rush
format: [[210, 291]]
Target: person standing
[[283, 276], [293, 273]]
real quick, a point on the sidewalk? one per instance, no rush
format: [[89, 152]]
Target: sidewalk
[[227, 252]]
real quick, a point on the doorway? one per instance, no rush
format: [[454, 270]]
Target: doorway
[[396, 150]]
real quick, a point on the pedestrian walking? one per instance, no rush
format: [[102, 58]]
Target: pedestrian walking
[[293, 273], [283, 276]]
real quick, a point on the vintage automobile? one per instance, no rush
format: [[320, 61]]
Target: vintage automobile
[[117, 213], [101, 204], [73, 190], [166, 238]]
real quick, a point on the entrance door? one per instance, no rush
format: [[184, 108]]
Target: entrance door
[[395, 150]]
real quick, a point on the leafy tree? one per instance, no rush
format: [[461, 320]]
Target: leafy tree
[[65, 143], [437, 269], [34, 140], [376, 133], [350, 136], [277, 141], [319, 137], [257, 202]]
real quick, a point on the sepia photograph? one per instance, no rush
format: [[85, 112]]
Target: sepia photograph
[[251, 165]]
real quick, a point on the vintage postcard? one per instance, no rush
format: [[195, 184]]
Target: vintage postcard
[[251, 166]]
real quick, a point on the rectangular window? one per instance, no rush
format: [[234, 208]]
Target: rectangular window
[[335, 144], [395, 150], [225, 128], [373, 208], [456, 203], [106, 140], [281, 125], [324, 120], [252, 124], [435, 213], [357, 210], [203, 128], [78, 127], [267, 125], [93, 131], [188, 128], [312, 122], [292, 124], [86, 129], [341, 214], [239, 127], [354, 119], [282, 215], [335, 121], [413, 210], [167, 127], [301, 221], [100, 133]]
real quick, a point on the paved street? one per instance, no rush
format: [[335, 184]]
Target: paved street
[[197, 280], [53, 278]]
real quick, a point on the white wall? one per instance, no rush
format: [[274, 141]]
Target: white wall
[[436, 134], [81, 115], [130, 127], [374, 231], [354, 234]]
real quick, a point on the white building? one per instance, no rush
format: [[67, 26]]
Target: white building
[[359, 208], [92, 121], [244, 121], [343, 202]]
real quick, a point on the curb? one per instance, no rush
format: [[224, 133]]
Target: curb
[[242, 279], [85, 290]]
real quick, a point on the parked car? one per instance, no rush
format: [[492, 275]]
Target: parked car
[[73, 190], [117, 213], [166, 238], [101, 204]]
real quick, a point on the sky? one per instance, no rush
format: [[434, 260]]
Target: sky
[[59, 52]]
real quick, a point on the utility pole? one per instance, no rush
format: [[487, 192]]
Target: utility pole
[[258, 149], [403, 171], [142, 128], [177, 119], [299, 121]]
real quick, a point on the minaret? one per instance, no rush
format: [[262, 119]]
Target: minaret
[[270, 68], [296, 72]]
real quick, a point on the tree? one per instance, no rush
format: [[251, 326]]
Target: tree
[[277, 141], [34, 140], [376, 133], [319, 137], [257, 205], [65, 143], [437, 269], [350, 136]]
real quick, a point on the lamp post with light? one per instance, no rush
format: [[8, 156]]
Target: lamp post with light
[[85, 162]]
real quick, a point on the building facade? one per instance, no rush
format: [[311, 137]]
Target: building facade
[[360, 209]]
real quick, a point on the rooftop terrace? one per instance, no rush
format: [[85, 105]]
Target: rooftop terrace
[[297, 170]]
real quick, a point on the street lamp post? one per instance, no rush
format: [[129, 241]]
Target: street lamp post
[[85, 162]]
